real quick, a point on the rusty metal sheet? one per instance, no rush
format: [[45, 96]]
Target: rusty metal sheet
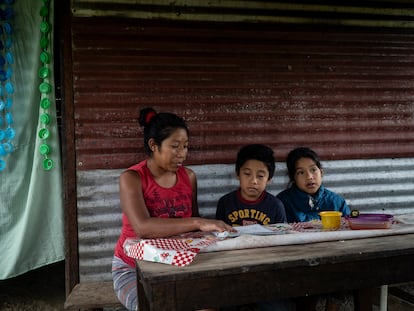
[[347, 93]]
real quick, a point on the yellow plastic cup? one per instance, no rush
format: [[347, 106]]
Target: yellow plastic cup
[[331, 219]]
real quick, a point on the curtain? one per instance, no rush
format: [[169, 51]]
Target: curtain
[[31, 204]]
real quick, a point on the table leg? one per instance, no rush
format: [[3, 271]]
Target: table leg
[[142, 299], [363, 299]]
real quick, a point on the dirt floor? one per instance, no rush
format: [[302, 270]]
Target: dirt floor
[[38, 290], [44, 290]]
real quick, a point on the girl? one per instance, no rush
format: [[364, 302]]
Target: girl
[[303, 201], [306, 196]]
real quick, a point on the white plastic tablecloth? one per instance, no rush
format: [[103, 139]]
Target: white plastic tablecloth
[[254, 241]]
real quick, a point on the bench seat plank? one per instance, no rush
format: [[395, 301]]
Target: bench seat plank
[[92, 295]]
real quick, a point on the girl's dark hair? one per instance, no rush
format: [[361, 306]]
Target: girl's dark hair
[[257, 152], [159, 126], [298, 153]]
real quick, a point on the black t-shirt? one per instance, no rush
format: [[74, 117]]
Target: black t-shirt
[[236, 211]]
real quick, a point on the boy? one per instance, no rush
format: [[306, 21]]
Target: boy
[[251, 203]]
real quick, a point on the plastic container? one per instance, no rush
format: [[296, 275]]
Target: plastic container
[[45, 88], [44, 149], [48, 164], [44, 72], [44, 27], [370, 221], [44, 133], [45, 57], [45, 118], [44, 11], [44, 42], [45, 103], [331, 219]]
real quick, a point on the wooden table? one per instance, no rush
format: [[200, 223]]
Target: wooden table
[[250, 275]]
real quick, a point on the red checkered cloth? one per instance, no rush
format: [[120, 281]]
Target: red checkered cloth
[[315, 226], [174, 251]]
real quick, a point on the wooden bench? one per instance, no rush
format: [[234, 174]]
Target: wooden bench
[[92, 296], [401, 296]]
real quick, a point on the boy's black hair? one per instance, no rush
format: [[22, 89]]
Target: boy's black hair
[[298, 153], [159, 126], [257, 152]]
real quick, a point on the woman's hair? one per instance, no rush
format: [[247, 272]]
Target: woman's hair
[[159, 126], [257, 152], [295, 155]]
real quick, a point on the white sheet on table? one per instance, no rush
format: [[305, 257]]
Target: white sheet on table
[[405, 219], [254, 241]]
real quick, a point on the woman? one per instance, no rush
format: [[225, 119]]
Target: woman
[[158, 196]]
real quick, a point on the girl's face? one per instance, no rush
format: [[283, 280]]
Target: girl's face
[[308, 176], [172, 152], [253, 178]]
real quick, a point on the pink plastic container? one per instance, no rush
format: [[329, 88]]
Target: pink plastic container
[[370, 221]]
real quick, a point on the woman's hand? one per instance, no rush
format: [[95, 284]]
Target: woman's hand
[[214, 225]]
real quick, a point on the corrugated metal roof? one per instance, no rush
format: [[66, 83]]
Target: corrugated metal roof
[[376, 186], [347, 93]]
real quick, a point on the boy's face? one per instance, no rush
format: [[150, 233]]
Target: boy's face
[[308, 176], [253, 178]]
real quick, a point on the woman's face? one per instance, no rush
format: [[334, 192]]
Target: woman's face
[[173, 150], [308, 176]]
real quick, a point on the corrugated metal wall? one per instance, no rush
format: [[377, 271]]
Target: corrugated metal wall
[[383, 185], [338, 78], [348, 93]]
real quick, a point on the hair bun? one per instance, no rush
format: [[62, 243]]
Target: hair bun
[[149, 116], [146, 115]]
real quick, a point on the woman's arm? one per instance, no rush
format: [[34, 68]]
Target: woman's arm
[[145, 226], [193, 180]]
